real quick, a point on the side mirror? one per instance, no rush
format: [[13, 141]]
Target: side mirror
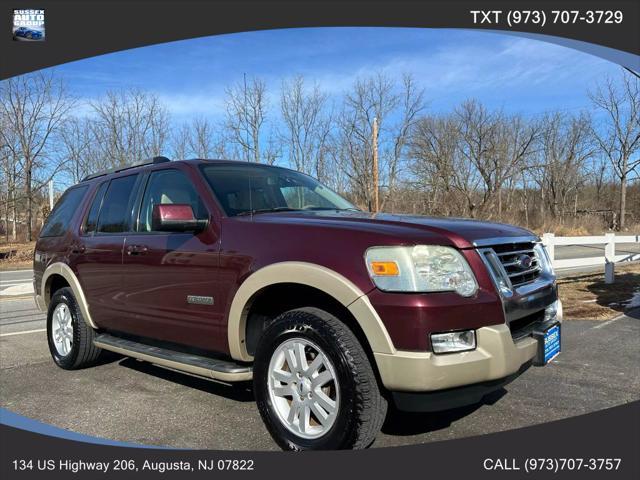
[[175, 217]]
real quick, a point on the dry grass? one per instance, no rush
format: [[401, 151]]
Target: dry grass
[[16, 255], [587, 297], [583, 226]]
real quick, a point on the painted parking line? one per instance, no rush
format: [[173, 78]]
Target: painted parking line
[[609, 321], [22, 333]]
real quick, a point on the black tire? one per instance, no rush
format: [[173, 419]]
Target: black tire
[[362, 407], [83, 352]]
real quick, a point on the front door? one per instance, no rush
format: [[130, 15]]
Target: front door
[[170, 279]]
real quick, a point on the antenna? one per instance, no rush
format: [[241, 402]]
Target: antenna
[[246, 119]]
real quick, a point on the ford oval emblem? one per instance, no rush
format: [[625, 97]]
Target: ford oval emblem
[[524, 262]]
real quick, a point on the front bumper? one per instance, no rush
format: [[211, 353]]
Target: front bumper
[[504, 346], [497, 356], [452, 397]]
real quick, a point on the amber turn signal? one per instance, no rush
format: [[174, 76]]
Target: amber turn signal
[[386, 269]]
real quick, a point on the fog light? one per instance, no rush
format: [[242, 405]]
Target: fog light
[[453, 341], [553, 311]]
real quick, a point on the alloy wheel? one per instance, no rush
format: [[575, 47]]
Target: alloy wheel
[[303, 388], [62, 329]]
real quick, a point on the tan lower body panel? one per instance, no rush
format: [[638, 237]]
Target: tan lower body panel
[[40, 303], [203, 372], [497, 356]]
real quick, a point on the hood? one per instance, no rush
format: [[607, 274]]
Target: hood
[[461, 232]]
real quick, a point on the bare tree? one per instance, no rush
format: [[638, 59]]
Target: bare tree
[[497, 146], [246, 106], [450, 182], [130, 125], [77, 144], [479, 138], [565, 148], [180, 142], [201, 139], [411, 105], [10, 175], [34, 107], [307, 125], [618, 138], [376, 97]]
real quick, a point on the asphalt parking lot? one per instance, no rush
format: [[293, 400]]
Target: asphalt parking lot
[[128, 400]]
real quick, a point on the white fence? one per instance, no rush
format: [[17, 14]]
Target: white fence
[[608, 259]]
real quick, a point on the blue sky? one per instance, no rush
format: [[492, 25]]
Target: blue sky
[[503, 71]]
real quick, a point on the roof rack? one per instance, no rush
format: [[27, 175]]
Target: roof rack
[[151, 161]]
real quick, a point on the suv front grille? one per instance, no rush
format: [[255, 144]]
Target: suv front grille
[[519, 261]]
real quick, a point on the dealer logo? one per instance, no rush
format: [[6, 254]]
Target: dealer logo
[[28, 25]]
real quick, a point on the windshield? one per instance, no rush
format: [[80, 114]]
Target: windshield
[[248, 189]]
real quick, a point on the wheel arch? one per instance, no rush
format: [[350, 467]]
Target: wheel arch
[[53, 274], [317, 277]]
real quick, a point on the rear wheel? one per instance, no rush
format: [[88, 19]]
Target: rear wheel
[[314, 384], [70, 338]]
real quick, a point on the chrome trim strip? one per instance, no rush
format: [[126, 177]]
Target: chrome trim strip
[[533, 286], [515, 252], [524, 272], [496, 271], [487, 242], [512, 264]]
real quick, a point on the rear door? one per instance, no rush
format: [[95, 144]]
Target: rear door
[[97, 256], [171, 277]]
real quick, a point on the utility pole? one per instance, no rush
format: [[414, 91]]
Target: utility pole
[[376, 201], [51, 194]]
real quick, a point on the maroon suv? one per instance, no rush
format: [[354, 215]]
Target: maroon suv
[[238, 271]]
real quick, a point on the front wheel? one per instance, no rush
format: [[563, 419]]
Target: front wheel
[[314, 384]]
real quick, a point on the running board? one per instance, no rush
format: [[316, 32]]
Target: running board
[[227, 371]]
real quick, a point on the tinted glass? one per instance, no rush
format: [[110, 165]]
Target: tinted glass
[[251, 188], [92, 217], [59, 219], [168, 187], [116, 206]]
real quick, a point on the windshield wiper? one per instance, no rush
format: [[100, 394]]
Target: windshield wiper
[[267, 210], [316, 209]]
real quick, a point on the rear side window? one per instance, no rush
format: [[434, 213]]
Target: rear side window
[[116, 206], [60, 218], [92, 218]]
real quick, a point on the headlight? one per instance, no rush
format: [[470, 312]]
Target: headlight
[[423, 268], [543, 259]]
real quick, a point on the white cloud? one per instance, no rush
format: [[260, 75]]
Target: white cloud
[[193, 104], [475, 64]]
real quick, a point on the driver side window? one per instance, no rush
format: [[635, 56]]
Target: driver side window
[[168, 187]]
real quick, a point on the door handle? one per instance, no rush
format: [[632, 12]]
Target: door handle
[[78, 249], [136, 249]]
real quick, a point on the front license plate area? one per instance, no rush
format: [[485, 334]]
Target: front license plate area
[[549, 344]]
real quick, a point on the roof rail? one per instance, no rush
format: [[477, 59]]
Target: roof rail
[[151, 161]]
